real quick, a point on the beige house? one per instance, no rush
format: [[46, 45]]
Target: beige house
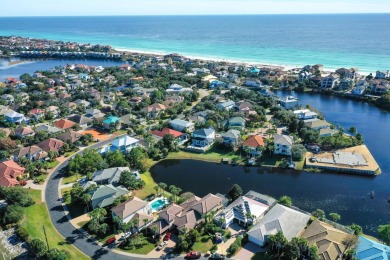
[[331, 242]]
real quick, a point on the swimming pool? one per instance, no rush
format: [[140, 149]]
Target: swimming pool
[[158, 204]]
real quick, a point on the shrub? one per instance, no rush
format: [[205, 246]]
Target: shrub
[[233, 248], [13, 214], [37, 248], [56, 254], [17, 195], [214, 249], [22, 232]]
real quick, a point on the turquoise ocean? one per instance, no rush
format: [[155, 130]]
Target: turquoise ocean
[[342, 40]]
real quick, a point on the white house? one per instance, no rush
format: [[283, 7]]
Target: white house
[[289, 102], [304, 75], [176, 88], [182, 125], [280, 218], [124, 144], [246, 210], [305, 114], [283, 144], [359, 88]]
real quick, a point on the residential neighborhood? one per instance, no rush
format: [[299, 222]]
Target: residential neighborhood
[[105, 127]]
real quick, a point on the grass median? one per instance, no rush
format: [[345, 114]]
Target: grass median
[[37, 216]]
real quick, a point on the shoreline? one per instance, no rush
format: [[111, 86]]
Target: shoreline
[[284, 67]]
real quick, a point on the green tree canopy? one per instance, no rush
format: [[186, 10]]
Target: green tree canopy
[[37, 247], [384, 233], [56, 254], [298, 151], [13, 214], [334, 216], [130, 181], [89, 162], [16, 195], [285, 200], [235, 192]]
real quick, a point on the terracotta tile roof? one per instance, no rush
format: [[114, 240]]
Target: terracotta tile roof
[[23, 130], [51, 144], [166, 131], [254, 141], [64, 124], [36, 111], [155, 107], [9, 171]]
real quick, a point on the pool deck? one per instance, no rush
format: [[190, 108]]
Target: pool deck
[[156, 199], [371, 168]]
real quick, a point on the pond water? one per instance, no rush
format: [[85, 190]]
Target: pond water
[[31, 66], [344, 194]]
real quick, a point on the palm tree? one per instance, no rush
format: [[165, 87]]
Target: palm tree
[[145, 220], [175, 191], [162, 186], [86, 198], [149, 140], [154, 230], [278, 241], [157, 189], [99, 214]]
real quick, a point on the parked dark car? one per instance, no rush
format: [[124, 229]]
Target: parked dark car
[[217, 256]]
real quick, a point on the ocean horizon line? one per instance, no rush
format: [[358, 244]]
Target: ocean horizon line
[[192, 15]]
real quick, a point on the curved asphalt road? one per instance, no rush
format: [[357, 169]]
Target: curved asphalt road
[[72, 235]]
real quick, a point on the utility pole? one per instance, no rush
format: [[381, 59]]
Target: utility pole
[[44, 232]]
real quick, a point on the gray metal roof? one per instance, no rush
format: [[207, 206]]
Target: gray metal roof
[[280, 218]]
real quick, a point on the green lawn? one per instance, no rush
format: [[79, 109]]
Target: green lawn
[[214, 154], [149, 185], [74, 210], [37, 216], [202, 246], [267, 160], [299, 165], [53, 164], [144, 250], [147, 247], [70, 179]]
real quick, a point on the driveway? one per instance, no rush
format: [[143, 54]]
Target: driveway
[[248, 251]]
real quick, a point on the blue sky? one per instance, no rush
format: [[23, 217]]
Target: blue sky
[[183, 7]]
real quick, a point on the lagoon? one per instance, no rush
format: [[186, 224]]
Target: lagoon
[[32, 65], [341, 193]]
